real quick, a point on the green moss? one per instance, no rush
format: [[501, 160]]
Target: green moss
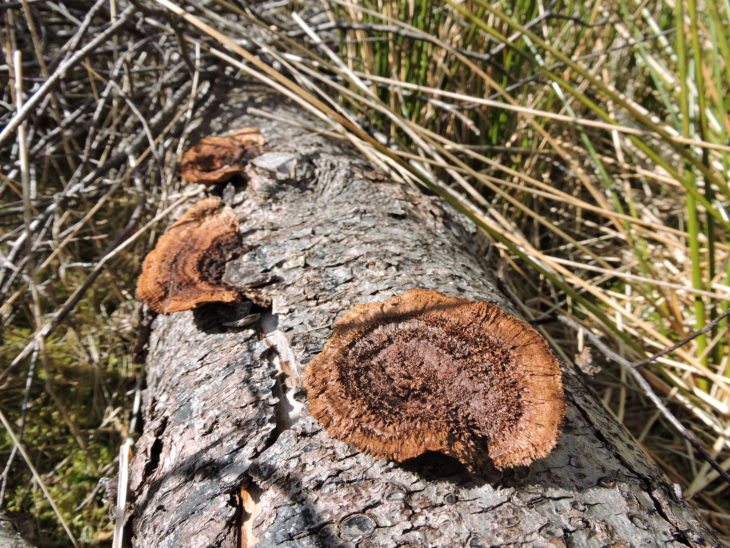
[[66, 435]]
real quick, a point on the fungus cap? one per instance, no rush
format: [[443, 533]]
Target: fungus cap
[[185, 268], [426, 372], [215, 159]]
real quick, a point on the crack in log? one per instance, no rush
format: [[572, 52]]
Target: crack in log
[[153, 460], [287, 381], [287, 411], [250, 507], [679, 534]]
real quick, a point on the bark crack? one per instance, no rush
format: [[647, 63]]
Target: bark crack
[[679, 534], [287, 411], [287, 381], [153, 460], [250, 507]]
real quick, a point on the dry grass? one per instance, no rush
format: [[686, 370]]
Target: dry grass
[[87, 175], [590, 141]]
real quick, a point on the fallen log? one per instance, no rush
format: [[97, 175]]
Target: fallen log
[[230, 454]]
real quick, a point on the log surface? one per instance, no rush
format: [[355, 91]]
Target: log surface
[[229, 455]]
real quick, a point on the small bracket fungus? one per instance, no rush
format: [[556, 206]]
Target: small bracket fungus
[[186, 267], [426, 372], [216, 159]]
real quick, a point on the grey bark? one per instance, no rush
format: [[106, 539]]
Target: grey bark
[[10, 536], [229, 454]]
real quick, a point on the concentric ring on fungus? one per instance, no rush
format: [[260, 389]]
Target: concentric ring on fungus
[[185, 269], [426, 372], [218, 158]]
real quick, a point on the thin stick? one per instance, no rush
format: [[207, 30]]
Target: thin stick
[[22, 147], [37, 477], [145, 127], [49, 84], [709, 327], [4, 477], [646, 387], [122, 486]]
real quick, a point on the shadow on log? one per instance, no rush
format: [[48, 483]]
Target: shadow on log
[[230, 456]]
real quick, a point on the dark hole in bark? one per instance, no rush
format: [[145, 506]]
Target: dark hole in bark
[[154, 460]]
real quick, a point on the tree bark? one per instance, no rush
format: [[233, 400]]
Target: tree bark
[[10, 537], [229, 454]]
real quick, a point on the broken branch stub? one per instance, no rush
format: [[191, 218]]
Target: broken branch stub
[[185, 269], [216, 159], [426, 372]]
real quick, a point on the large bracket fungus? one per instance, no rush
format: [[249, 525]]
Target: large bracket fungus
[[426, 372], [186, 267], [216, 159]]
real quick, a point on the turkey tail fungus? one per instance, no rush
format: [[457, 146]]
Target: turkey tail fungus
[[216, 159], [426, 372], [186, 267]]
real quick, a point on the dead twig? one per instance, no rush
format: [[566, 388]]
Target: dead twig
[[649, 392], [56, 77], [37, 477], [709, 327]]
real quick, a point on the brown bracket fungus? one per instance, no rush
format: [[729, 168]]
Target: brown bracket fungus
[[216, 159], [186, 267], [426, 372]]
